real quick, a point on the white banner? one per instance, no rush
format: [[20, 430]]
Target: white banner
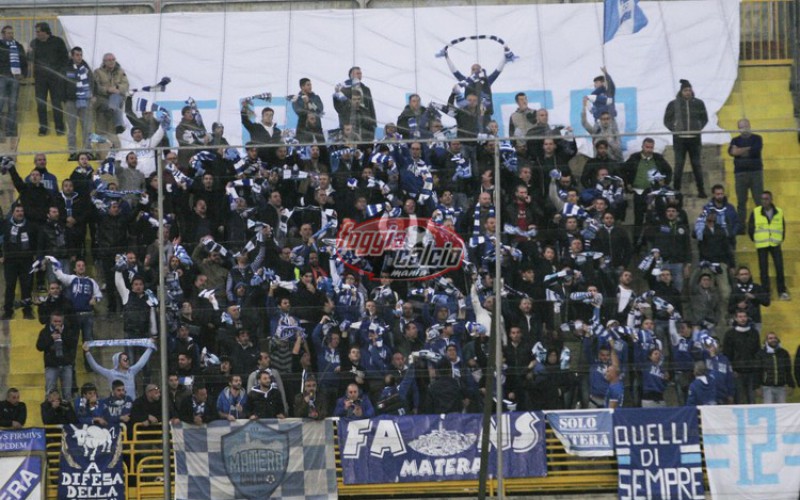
[[220, 58], [752, 452]]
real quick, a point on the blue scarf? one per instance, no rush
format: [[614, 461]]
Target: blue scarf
[[13, 57]]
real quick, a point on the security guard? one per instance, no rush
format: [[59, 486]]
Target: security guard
[[767, 229]]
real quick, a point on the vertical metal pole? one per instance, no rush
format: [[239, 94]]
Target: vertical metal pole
[[498, 346], [162, 327]]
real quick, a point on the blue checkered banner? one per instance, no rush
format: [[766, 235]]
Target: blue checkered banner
[[438, 447], [752, 452], [658, 453], [255, 459], [22, 464]]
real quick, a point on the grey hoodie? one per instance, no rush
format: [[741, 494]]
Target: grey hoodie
[[128, 377]]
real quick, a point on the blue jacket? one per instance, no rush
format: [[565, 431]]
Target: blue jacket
[[114, 409], [701, 392]]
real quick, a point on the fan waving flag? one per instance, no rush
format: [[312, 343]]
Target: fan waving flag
[[622, 17]]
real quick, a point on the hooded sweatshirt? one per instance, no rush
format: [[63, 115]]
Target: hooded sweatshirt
[[128, 377]]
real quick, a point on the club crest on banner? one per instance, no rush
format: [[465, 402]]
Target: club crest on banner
[[256, 457]]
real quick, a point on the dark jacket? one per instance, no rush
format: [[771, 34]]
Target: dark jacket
[[738, 292], [775, 367], [260, 135], [685, 115], [71, 80], [715, 246], [741, 346], [404, 125], [36, 200], [142, 408], [672, 241], [62, 415], [19, 247], [629, 168], [445, 395], [317, 411], [49, 57], [62, 304], [615, 244], [5, 62], [112, 235], [47, 345], [12, 413], [188, 407], [264, 404]]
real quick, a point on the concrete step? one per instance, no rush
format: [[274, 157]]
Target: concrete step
[[759, 73], [750, 87]]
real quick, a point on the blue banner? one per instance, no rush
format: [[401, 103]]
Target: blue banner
[[22, 440], [394, 449], [22, 464], [91, 463], [584, 433], [658, 453]]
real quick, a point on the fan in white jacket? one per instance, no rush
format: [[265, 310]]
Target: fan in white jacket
[[141, 146]]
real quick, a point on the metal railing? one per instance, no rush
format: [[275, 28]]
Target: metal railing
[[565, 473], [767, 32]]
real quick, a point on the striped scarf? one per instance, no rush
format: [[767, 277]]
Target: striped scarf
[[14, 61], [477, 238]]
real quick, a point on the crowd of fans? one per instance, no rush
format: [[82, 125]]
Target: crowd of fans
[[267, 317]]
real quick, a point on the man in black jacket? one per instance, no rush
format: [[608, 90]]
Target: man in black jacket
[[19, 242], [49, 57], [741, 346], [636, 172], [685, 117], [57, 411], [671, 237], [748, 296], [197, 409], [775, 370], [13, 68], [59, 345], [13, 412], [445, 394], [264, 400], [263, 133], [33, 195], [146, 408]]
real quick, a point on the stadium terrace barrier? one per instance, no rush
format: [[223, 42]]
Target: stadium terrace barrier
[[565, 473]]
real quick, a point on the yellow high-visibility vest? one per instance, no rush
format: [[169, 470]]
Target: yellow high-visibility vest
[[768, 233]]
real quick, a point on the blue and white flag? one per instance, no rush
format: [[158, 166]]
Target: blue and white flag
[[254, 459], [658, 453], [92, 463], [417, 448], [622, 17], [584, 433], [23, 463], [753, 451]]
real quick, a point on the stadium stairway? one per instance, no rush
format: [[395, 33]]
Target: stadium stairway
[[762, 95], [22, 365]]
